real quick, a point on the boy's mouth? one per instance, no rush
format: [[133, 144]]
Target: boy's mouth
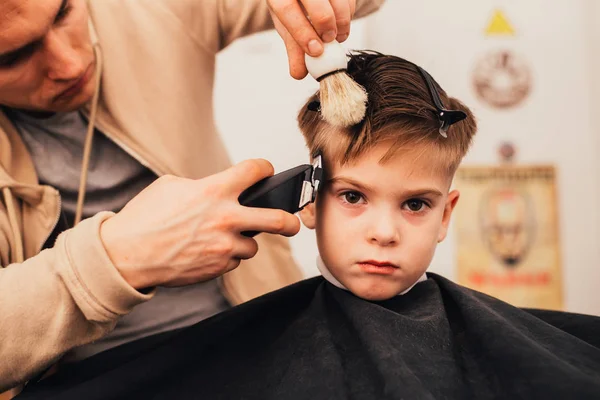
[[378, 267]]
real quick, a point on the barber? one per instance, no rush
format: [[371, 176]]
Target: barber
[[114, 180]]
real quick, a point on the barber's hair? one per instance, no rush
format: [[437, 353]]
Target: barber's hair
[[400, 111]]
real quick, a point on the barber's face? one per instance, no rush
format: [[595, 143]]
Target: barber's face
[[46, 57]]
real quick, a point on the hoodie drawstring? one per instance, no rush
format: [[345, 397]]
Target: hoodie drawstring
[[87, 149], [9, 200]]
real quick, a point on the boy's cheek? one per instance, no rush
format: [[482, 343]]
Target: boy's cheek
[[341, 210]]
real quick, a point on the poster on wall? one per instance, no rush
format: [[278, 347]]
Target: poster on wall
[[506, 226]]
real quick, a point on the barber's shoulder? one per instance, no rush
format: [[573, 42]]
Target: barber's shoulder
[[177, 20]]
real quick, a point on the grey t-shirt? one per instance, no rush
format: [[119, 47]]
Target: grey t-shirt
[[114, 177]]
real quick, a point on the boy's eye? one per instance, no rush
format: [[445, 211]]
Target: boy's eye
[[352, 197], [415, 205], [22, 55]]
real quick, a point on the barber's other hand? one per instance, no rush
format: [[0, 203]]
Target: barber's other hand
[[181, 231], [292, 18]]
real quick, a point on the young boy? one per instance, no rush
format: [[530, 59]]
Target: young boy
[[381, 327], [386, 202]]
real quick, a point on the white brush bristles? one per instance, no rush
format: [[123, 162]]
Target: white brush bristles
[[343, 101]]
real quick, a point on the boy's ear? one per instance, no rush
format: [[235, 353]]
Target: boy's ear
[[448, 208], [307, 215]]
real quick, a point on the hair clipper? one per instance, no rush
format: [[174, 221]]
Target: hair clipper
[[289, 190]]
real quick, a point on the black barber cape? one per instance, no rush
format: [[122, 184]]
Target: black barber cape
[[314, 341]]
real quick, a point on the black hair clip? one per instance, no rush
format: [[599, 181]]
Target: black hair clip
[[314, 106], [447, 117]]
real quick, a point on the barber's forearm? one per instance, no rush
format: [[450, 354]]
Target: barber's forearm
[[216, 24], [239, 18], [366, 7], [62, 298]]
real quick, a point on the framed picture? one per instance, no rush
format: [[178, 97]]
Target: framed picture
[[507, 234]]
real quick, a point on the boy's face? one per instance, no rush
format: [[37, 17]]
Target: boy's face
[[378, 224]]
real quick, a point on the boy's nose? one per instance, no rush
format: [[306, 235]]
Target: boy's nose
[[383, 231]]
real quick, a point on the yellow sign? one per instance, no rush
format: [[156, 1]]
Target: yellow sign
[[499, 25], [507, 234]]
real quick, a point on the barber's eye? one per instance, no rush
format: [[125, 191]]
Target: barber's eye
[[64, 11], [352, 197], [415, 205], [18, 57], [9, 61]]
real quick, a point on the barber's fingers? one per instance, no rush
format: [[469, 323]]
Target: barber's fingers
[[343, 18], [243, 175], [292, 17], [268, 220], [245, 248], [232, 264], [294, 51], [352, 4], [322, 17]]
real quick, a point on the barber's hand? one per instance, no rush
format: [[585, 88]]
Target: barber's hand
[[330, 20], [182, 231]]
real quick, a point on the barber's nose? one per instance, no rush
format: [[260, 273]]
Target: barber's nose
[[63, 62], [383, 230]]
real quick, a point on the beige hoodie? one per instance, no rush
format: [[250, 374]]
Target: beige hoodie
[[155, 101]]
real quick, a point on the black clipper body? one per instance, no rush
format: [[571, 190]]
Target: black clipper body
[[289, 190]]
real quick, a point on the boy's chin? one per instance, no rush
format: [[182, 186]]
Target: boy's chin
[[375, 292], [375, 297]]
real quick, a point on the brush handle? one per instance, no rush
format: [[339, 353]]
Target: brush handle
[[333, 59]]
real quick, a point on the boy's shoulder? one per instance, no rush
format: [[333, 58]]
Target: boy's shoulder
[[478, 304]]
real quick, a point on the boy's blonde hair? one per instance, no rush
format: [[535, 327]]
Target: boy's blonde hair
[[400, 111]]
